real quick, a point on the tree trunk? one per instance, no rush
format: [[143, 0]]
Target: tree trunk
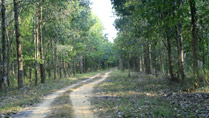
[[162, 63], [60, 66], [48, 67], [3, 25], [13, 65], [55, 59], [170, 63], [154, 60], [140, 64], [19, 47], [129, 67], [36, 43], [30, 74], [81, 64], [147, 59], [73, 67], [1, 79], [8, 57], [65, 68], [180, 52], [121, 64], [41, 49], [194, 41]]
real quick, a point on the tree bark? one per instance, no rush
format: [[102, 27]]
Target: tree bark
[[129, 66], [194, 40], [162, 63], [121, 64], [3, 25], [140, 64], [1, 81], [36, 42], [81, 64], [41, 49], [60, 66], [180, 52], [8, 57], [170, 62], [55, 59], [19, 47], [73, 67], [147, 59]]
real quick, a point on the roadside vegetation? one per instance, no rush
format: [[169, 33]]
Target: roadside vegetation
[[144, 95]]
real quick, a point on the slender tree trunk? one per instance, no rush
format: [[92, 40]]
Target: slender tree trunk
[[73, 67], [208, 53], [147, 59], [9, 45], [3, 25], [136, 64], [1, 79], [170, 63], [154, 60], [49, 62], [140, 64], [180, 52], [129, 67], [143, 62], [194, 40], [81, 64], [41, 49], [162, 63], [30, 74], [19, 47], [13, 65], [36, 43], [65, 68], [55, 59], [121, 64], [60, 66]]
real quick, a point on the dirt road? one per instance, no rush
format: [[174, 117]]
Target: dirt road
[[80, 99], [42, 109]]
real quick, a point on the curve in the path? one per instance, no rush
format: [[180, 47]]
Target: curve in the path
[[42, 109], [80, 99]]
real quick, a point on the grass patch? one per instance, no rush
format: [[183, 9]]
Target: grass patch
[[146, 96], [62, 107], [16, 99]]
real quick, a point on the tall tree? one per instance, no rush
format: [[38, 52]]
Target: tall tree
[[194, 40], [3, 25], [18, 41], [42, 68]]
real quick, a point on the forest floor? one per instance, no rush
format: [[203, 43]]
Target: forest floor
[[141, 96], [30, 98]]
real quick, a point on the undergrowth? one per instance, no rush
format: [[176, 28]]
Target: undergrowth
[[143, 95]]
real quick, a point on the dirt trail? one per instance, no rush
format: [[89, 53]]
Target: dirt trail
[[80, 99], [42, 109]]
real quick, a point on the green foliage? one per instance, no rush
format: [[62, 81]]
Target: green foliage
[[151, 23], [68, 27]]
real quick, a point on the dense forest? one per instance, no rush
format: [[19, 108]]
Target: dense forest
[[49, 39], [164, 36]]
